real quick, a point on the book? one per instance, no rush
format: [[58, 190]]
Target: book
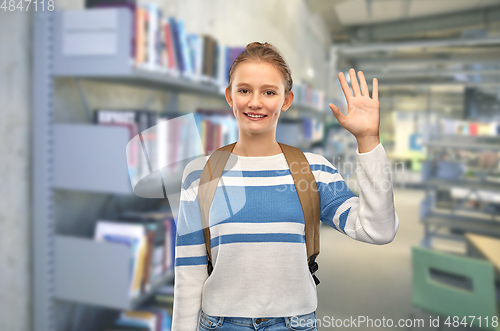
[[133, 235], [169, 251], [152, 317], [172, 63], [177, 45], [152, 36], [140, 34], [196, 46], [155, 225], [138, 318], [184, 50]]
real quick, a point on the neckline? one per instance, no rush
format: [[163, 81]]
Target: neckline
[[256, 157]]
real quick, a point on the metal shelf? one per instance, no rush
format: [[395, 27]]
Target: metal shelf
[[453, 223], [150, 79], [462, 223], [91, 158], [97, 273], [474, 185], [454, 144]]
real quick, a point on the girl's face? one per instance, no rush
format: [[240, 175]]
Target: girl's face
[[258, 89]]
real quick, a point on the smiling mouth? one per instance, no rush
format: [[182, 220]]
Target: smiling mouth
[[254, 116]]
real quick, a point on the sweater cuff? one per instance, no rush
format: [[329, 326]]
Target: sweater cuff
[[377, 150], [373, 164]]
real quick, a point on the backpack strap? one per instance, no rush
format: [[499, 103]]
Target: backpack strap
[[308, 196], [307, 190], [206, 190]]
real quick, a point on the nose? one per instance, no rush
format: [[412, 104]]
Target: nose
[[255, 101]]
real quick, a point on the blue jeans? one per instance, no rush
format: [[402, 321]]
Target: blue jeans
[[305, 322]]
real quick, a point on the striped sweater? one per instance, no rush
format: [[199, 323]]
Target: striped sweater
[[257, 234]]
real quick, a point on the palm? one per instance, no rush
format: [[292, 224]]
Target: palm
[[363, 112]]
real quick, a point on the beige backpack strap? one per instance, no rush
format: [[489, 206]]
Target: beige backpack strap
[[307, 190], [209, 179]]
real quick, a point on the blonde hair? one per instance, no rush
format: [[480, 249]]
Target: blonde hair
[[264, 52]]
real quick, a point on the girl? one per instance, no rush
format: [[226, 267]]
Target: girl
[[260, 278]]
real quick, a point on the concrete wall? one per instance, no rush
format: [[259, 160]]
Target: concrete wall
[[299, 35], [15, 169]]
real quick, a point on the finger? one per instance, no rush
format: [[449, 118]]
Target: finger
[[364, 86], [345, 86], [336, 112], [375, 89], [354, 82]]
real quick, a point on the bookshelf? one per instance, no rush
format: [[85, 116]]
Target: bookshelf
[[87, 158], [118, 68], [459, 198], [95, 275]]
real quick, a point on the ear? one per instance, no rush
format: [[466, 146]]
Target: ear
[[288, 101], [229, 100]]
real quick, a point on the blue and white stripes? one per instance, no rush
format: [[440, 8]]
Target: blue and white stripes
[[257, 235]]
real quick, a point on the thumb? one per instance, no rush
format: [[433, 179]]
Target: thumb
[[336, 112]]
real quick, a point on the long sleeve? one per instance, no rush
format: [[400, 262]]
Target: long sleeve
[[369, 218], [190, 256]]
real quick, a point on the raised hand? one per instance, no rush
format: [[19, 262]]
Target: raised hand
[[363, 112]]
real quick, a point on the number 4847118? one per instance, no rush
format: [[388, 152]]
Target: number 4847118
[[485, 321], [25, 5]]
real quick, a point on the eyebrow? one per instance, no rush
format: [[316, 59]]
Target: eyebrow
[[264, 86]]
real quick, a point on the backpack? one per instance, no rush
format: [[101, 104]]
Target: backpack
[[309, 198]]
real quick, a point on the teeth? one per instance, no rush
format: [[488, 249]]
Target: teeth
[[255, 116]]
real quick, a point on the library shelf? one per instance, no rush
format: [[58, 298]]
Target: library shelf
[[92, 158], [460, 145], [148, 79], [118, 67], [97, 273], [462, 223], [458, 217], [472, 184]]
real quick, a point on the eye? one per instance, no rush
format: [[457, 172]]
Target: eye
[[243, 90], [270, 93]]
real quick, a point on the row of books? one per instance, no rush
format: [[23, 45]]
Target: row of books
[[161, 44], [151, 239], [469, 128], [217, 128], [313, 129], [157, 140], [305, 94]]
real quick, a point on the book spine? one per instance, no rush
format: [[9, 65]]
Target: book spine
[[172, 63], [153, 17], [147, 27], [145, 282], [186, 58], [166, 250], [178, 52], [139, 36]]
